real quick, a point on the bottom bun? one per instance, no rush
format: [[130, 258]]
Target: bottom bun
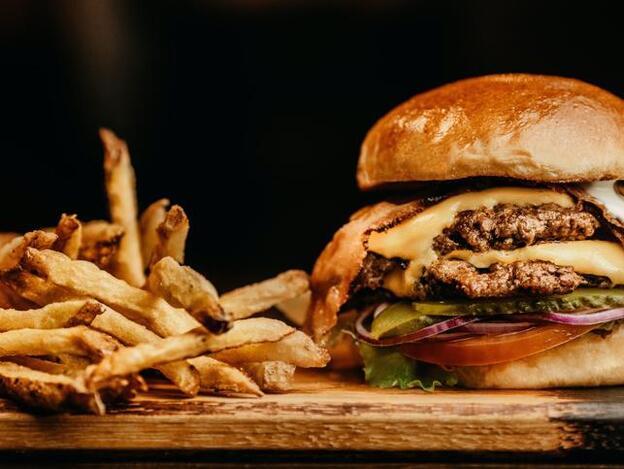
[[590, 360]]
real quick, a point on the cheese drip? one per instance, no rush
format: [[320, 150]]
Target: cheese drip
[[592, 257], [412, 240]]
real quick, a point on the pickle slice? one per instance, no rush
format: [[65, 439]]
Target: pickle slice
[[399, 319], [402, 318], [580, 298]]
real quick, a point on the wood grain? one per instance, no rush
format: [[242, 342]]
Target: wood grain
[[331, 412]]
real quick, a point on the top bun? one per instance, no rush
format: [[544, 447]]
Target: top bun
[[530, 127]]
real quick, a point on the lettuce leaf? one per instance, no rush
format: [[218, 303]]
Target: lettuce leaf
[[387, 368]]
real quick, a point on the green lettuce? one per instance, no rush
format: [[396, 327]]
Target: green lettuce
[[387, 368]]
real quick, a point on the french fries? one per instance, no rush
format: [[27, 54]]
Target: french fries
[[69, 236], [83, 279], [295, 348], [100, 241], [77, 340], [181, 373], [50, 392], [247, 301], [80, 322], [9, 299], [34, 289], [51, 316], [225, 380], [171, 233], [7, 236], [295, 309], [121, 191], [150, 220], [191, 344], [39, 364], [273, 377], [131, 360], [13, 251], [75, 364], [183, 287]]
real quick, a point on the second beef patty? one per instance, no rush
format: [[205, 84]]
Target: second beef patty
[[509, 227]]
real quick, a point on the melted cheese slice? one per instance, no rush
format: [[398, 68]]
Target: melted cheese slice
[[592, 257], [412, 240]]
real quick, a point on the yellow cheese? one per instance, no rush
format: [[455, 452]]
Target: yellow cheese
[[591, 257], [412, 240]]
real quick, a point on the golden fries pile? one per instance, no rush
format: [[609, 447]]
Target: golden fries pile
[[85, 307]]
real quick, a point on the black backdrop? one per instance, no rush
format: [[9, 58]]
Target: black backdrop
[[250, 113]]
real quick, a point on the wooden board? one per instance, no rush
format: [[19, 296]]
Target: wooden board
[[328, 412]]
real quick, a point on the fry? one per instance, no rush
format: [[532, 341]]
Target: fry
[[78, 340], [225, 380], [12, 252], [150, 219], [75, 364], [82, 279], [121, 192], [247, 301], [34, 288], [181, 373], [69, 232], [296, 348], [52, 392], [100, 241], [274, 377], [172, 233], [296, 308], [7, 236], [121, 388], [39, 364], [191, 344], [9, 298], [131, 360], [51, 316], [183, 287]]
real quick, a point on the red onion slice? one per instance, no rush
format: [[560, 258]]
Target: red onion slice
[[365, 336], [380, 309], [495, 327], [585, 318]]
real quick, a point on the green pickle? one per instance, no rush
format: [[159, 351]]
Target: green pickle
[[399, 319], [402, 318]]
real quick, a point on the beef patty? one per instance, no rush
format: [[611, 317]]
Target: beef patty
[[447, 277], [373, 270], [509, 227]]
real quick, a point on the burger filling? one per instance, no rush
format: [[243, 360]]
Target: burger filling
[[508, 227], [484, 278]]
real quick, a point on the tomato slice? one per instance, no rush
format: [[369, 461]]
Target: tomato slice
[[493, 349]]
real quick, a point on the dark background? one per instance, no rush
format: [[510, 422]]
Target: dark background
[[250, 113]]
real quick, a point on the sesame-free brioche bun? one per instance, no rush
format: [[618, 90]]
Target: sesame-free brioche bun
[[530, 127], [590, 360]]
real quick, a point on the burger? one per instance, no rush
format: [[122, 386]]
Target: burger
[[497, 258]]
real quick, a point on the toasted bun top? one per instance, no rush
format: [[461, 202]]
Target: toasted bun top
[[530, 127]]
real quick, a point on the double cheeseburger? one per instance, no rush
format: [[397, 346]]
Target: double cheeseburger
[[503, 266]]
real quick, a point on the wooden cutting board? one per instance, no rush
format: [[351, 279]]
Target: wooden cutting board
[[331, 412]]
